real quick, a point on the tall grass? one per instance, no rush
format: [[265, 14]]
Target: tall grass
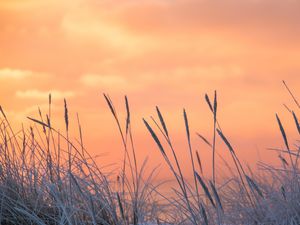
[[268, 197], [47, 178]]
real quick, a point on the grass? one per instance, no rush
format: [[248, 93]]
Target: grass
[[45, 178]]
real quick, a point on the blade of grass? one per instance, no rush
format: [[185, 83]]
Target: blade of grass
[[283, 134], [290, 92], [199, 162], [155, 137], [190, 151], [216, 195], [252, 184], [161, 119], [128, 114], [296, 121], [214, 139], [205, 189], [204, 139]]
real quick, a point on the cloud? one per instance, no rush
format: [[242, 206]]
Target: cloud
[[21, 5], [130, 22], [98, 26], [89, 29], [95, 80], [14, 73], [168, 77], [18, 74], [36, 94]]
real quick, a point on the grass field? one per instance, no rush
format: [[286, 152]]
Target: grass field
[[45, 178]]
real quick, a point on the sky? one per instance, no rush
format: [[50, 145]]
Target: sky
[[157, 52]]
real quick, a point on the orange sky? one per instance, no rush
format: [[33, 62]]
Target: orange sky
[[158, 52]]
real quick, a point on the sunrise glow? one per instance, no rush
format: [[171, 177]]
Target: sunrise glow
[[157, 52]]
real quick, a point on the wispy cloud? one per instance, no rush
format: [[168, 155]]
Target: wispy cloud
[[92, 29], [33, 4], [96, 80], [36, 94], [6, 73], [168, 77]]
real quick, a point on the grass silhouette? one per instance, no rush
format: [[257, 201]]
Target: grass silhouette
[[45, 178]]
